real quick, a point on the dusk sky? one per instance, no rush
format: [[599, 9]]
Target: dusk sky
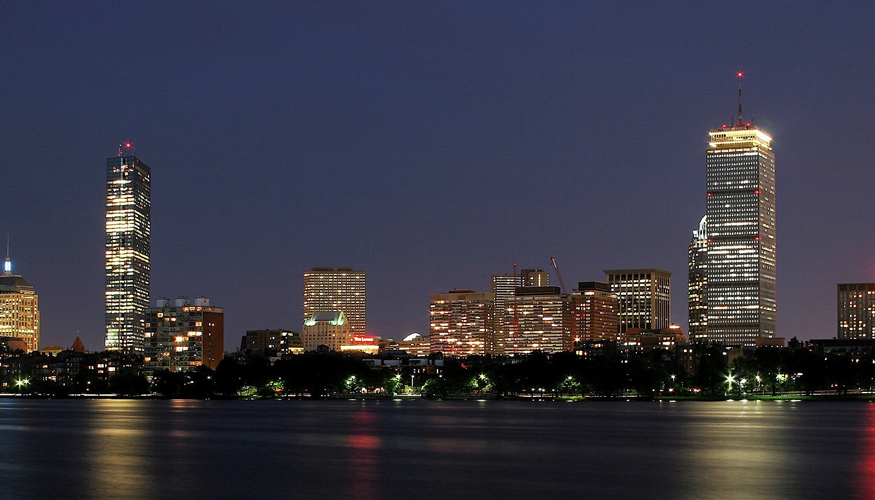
[[431, 144]]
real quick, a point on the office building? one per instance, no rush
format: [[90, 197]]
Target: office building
[[19, 309], [697, 283], [740, 213], [503, 287], [181, 336], [331, 329], [336, 289], [462, 323], [856, 311], [644, 297], [128, 234], [595, 312], [538, 319]]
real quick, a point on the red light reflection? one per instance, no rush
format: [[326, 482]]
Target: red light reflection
[[363, 446], [866, 475]]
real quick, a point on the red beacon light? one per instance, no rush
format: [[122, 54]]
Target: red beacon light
[[756, 191], [740, 74]]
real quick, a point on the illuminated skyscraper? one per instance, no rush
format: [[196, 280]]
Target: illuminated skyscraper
[[741, 234], [128, 235], [19, 308], [336, 289], [644, 296], [856, 311], [698, 283], [462, 323]]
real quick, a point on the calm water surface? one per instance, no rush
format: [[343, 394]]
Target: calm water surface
[[145, 449]]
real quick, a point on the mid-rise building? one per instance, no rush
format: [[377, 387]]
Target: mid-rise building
[[538, 319], [595, 312], [19, 308], [644, 297], [462, 323], [127, 252], [503, 288], [272, 342], [336, 289], [740, 211], [331, 329], [535, 277], [181, 336], [856, 311], [697, 283]]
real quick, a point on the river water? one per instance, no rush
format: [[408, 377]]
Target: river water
[[152, 449]]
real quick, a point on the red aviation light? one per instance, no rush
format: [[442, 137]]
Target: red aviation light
[[709, 194], [756, 191], [757, 238], [127, 144], [724, 125], [740, 74]]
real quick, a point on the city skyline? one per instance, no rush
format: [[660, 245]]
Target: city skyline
[[430, 146]]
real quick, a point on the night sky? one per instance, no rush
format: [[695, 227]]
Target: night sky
[[431, 144]]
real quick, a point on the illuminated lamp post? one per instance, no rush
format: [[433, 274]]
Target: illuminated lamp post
[[22, 382]]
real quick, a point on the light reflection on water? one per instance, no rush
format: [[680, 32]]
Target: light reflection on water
[[138, 449]]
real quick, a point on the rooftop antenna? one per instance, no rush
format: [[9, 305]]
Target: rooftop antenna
[[740, 75], [128, 146], [7, 266]]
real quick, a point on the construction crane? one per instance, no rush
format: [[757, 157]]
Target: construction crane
[[559, 275]]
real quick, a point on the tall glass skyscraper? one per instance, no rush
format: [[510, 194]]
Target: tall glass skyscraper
[[740, 213], [128, 235], [697, 283]]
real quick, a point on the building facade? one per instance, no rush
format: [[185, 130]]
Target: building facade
[[538, 319], [595, 312], [462, 323], [644, 297], [19, 309], [331, 329], [127, 252], [740, 212], [181, 336], [271, 342], [697, 283], [856, 311], [503, 288], [336, 289]]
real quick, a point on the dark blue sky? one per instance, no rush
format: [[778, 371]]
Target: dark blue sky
[[429, 143]]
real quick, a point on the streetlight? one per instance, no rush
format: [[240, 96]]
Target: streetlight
[[729, 380], [21, 382]]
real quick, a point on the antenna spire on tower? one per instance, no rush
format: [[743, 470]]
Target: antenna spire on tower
[[740, 75], [7, 266]]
